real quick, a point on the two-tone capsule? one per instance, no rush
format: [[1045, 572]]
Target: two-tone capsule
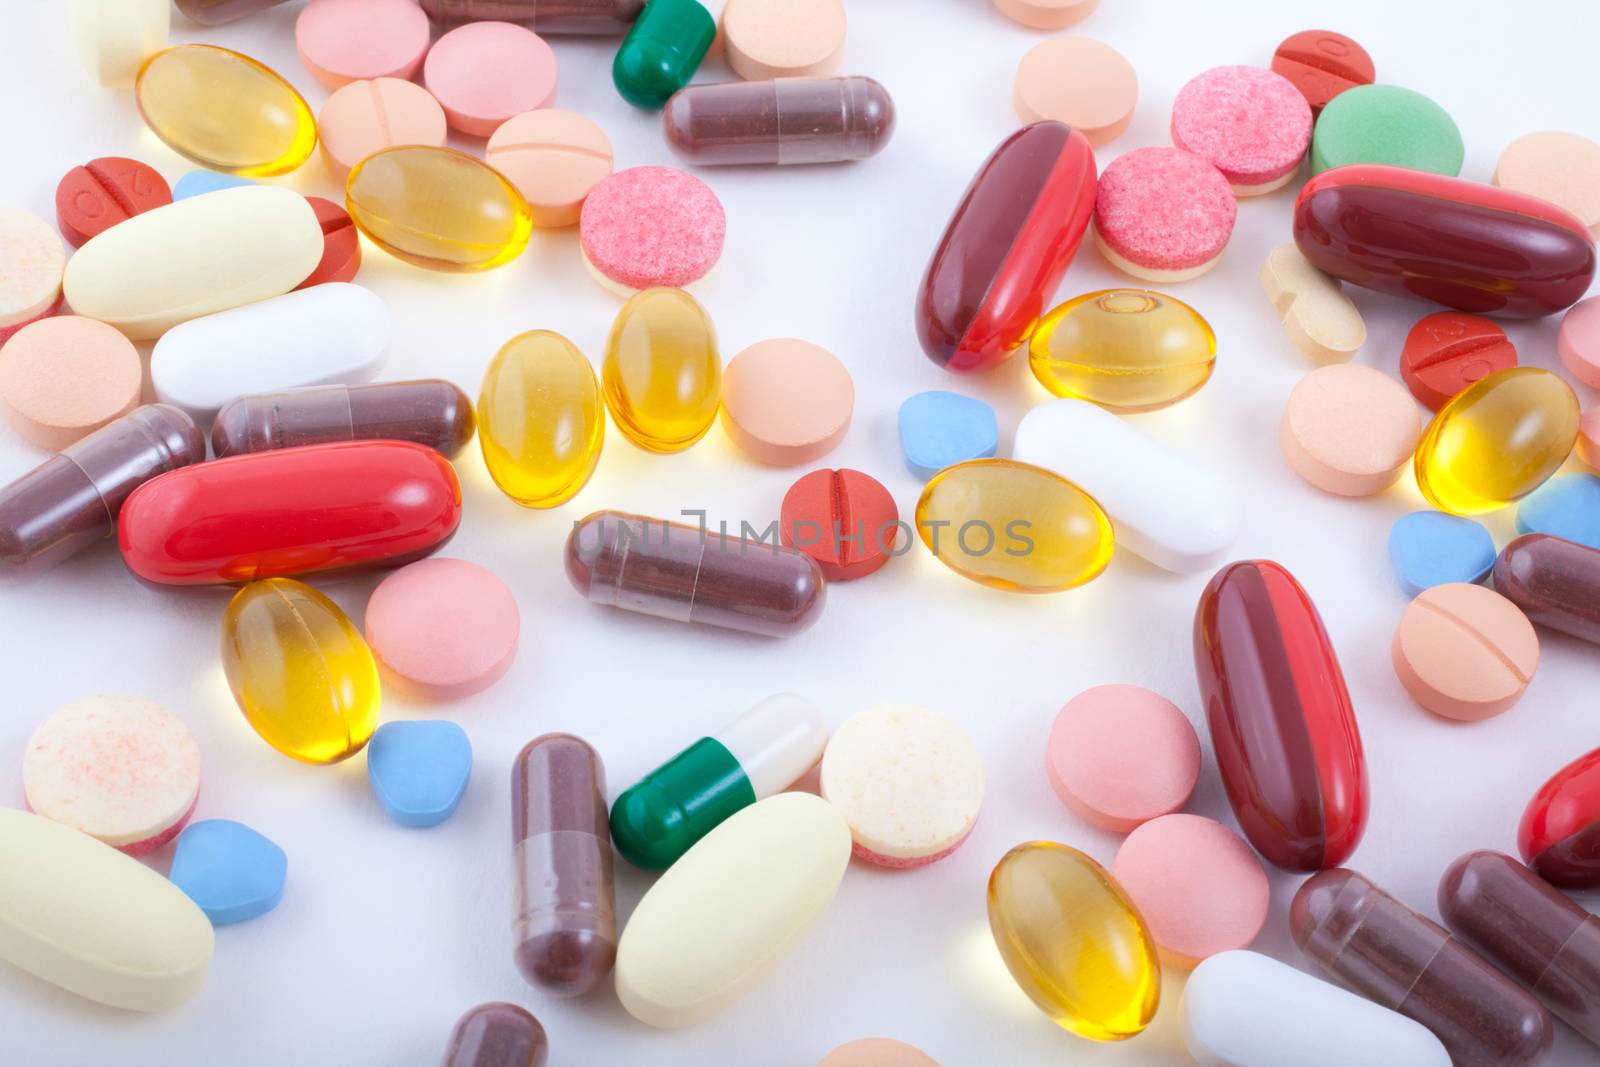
[[430, 412], [784, 121]]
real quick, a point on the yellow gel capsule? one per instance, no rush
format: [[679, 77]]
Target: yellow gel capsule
[[225, 111], [1013, 526], [1497, 441], [662, 376], [299, 670], [1124, 349], [438, 208], [1074, 941], [539, 419]]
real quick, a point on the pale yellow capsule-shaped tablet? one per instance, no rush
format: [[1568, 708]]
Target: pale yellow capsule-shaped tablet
[[731, 909], [195, 257], [662, 375], [114, 37], [80, 914], [225, 111], [540, 422]]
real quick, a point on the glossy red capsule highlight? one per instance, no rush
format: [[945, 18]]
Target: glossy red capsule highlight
[[291, 512], [1560, 832], [1006, 247], [1281, 722]]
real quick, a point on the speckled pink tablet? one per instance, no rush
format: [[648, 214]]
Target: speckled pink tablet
[[554, 158], [1249, 122], [65, 376], [1464, 652], [32, 258], [1199, 887], [373, 114], [1120, 755], [443, 628], [649, 226], [485, 72], [1349, 430], [119, 768], [1578, 342], [908, 781], [342, 41], [1163, 214], [786, 402]]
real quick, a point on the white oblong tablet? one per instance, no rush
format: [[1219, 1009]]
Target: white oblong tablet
[[194, 257], [82, 915], [731, 909], [1243, 1009], [1165, 507], [330, 334]]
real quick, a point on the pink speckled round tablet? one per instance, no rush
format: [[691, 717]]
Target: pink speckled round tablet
[[65, 376], [485, 72], [1080, 81], [1349, 430], [1249, 122], [342, 41], [1464, 652], [908, 781], [554, 158], [1578, 342], [877, 1052], [1120, 755], [786, 402], [649, 226], [370, 115], [1589, 437], [119, 768], [443, 628], [1163, 214], [32, 258], [1199, 887]]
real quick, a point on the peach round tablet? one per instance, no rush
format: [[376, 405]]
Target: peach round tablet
[[554, 158], [1562, 168], [1464, 652], [1079, 81], [342, 41], [1046, 14], [65, 376], [783, 38], [370, 115], [651, 226], [121, 769], [1200, 888], [32, 259], [1349, 430], [786, 402], [908, 781], [485, 72], [1163, 214], [1250, 123], [1120, 755], [1589, 437], [877, 1052], [1578, 341], [443, 628]]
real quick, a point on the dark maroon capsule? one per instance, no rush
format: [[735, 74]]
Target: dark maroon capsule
[[497, 1035], [430, 412], [594, 18], [1554, 581], [789, 120], [216, 12]]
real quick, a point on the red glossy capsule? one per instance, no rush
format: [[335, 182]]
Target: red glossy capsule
[[1463, 244], [291, 512], [1006, 247], [1560, 832], [1281, 722]]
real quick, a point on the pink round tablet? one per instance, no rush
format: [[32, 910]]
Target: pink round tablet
[[1349, 430], [342, 41], [1200, 888], [554, 158], [485, 72], [1163, 214], [651, 226], [32, 259], [1579, 341], [1464, 652], [370, 115], [121, 769], [786, 402], [1250, 123], [877, 1052], [443, 628], [1120, 755], [1589, 437], [66, 376]]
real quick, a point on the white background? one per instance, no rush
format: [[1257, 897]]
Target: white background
[[386, 935]]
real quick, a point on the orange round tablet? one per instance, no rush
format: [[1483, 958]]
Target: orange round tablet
[[66, 376], [1562, 168], [554, 158], [1349, 430], [786, 402], [1079, 81], [367, 116], [783, 38], [1464, 652], [1047, 14]]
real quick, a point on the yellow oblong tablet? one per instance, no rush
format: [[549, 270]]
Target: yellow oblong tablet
[[438, 208], [225, 110], [540, 421]]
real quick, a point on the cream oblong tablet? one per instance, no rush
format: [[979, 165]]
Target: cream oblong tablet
[[731, 909], [194, 257], [82, 915], [1165, 507], [335, 333], [1243, 1009]]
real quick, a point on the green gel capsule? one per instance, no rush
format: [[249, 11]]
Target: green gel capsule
[[662, 51]]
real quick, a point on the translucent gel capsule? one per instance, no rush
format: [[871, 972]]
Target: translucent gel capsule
[[429, 412], [784, 121], [541, 423], [595, 18], [300, 671], [438, 208], [1074, 941], [1124, 349], [1013, 526], [225, 111], [662, 375], [1497, 441], [497, 1035], [662, 51]]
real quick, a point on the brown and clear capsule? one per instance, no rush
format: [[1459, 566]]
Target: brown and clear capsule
[[1554, 581], [429, 412], [591, 18], [789, 120], [497, 1035]]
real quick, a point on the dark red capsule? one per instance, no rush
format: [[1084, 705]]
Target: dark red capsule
[[1560, 832], [497, 1035], [1554, 581]]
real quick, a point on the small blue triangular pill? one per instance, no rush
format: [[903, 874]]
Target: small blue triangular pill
[[1430, 548], [228, 869], [201, 182], [938, 429], [1567, 507], [419, 770]]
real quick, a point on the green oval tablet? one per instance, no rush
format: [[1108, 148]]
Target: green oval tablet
[[1386, 124]]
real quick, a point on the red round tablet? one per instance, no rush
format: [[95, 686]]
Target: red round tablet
[[341, 245], [1322, 64], [1449, 350], [843, 519], [103, 192]]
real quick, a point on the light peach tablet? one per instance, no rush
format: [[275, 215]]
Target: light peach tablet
[[32, 259], [1079, 81], [1562, 168], [1464, 652], [1120, 755], [372, 114], [554, 158], [877, 1052], [1349, 430], [1589, 437], [1047, 14], [63, 377], [786, 402], [783, 38]]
